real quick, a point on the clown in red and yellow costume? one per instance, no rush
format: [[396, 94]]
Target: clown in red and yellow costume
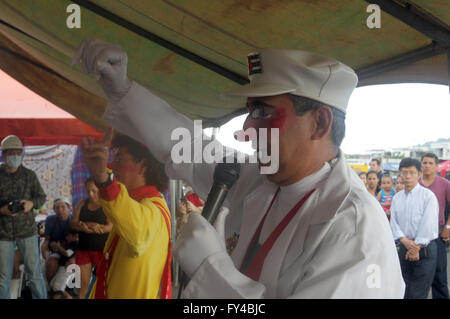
[[136, 263]]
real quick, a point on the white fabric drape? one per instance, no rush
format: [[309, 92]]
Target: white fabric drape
[[52, 165]]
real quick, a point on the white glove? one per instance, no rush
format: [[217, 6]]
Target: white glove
[[107, 63], [198, 240], [219, 223]]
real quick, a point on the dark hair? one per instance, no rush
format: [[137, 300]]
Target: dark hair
[[154, 173], [376, 160], [432, 155], [372, 172], [388, 176], [408, 162], [303, 105], [362, 173]]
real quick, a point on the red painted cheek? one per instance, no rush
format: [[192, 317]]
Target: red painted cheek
[[279, 119]]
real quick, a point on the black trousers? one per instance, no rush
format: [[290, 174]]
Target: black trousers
[[418, 275], [439, 288]]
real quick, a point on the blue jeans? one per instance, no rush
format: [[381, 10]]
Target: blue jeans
[[418, 275], [439, 288], [29, 248]]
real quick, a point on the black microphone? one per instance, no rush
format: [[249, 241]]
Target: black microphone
[[225, 175]]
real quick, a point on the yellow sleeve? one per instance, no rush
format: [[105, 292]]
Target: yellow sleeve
[[138, 223]]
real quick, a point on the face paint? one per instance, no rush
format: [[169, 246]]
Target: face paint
[[279, 119], [125, 168]]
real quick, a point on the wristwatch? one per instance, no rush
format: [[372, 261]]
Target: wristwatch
[[108, 181], [447, 226]]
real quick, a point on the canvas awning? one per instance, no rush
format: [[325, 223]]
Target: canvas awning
[[188, 52], [36, 121]]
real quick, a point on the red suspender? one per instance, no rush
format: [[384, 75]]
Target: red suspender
[[166, 280], [256, 263]]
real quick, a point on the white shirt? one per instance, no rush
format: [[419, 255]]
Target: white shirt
[[288, 198], [415, 215]]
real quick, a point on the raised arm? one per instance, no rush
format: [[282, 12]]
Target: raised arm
[[138, 113]]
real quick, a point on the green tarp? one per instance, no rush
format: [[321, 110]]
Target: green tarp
[[221, 32]]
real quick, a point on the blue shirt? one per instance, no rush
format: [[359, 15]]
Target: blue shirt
[[414, 215], [56, 229]]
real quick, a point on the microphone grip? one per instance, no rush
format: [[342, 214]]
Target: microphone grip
[[214, 202]]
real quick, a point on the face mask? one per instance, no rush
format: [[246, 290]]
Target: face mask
[[14, 161]]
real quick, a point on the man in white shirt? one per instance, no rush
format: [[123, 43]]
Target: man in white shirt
[[338, 244], [414, 223]]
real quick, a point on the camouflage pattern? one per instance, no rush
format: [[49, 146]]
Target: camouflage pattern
[[23, 184]]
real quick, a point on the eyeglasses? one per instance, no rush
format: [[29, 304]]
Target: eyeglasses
[[257, 110], [406, 173]]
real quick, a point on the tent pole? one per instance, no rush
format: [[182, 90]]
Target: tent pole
[[401, 60]]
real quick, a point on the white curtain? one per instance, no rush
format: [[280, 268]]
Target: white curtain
[[53, 166]]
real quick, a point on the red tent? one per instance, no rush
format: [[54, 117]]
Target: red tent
[[444, 168], [35, 120]]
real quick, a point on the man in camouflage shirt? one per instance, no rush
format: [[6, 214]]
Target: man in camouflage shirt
[[19, 186]]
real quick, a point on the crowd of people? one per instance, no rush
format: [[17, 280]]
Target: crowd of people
[[46, 241], [49, 247], [417, 208]]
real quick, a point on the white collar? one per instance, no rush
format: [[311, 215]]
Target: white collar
[[292, 193], [414, 189]]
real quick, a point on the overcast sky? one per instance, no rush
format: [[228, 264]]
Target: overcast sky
[[382, 117]]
